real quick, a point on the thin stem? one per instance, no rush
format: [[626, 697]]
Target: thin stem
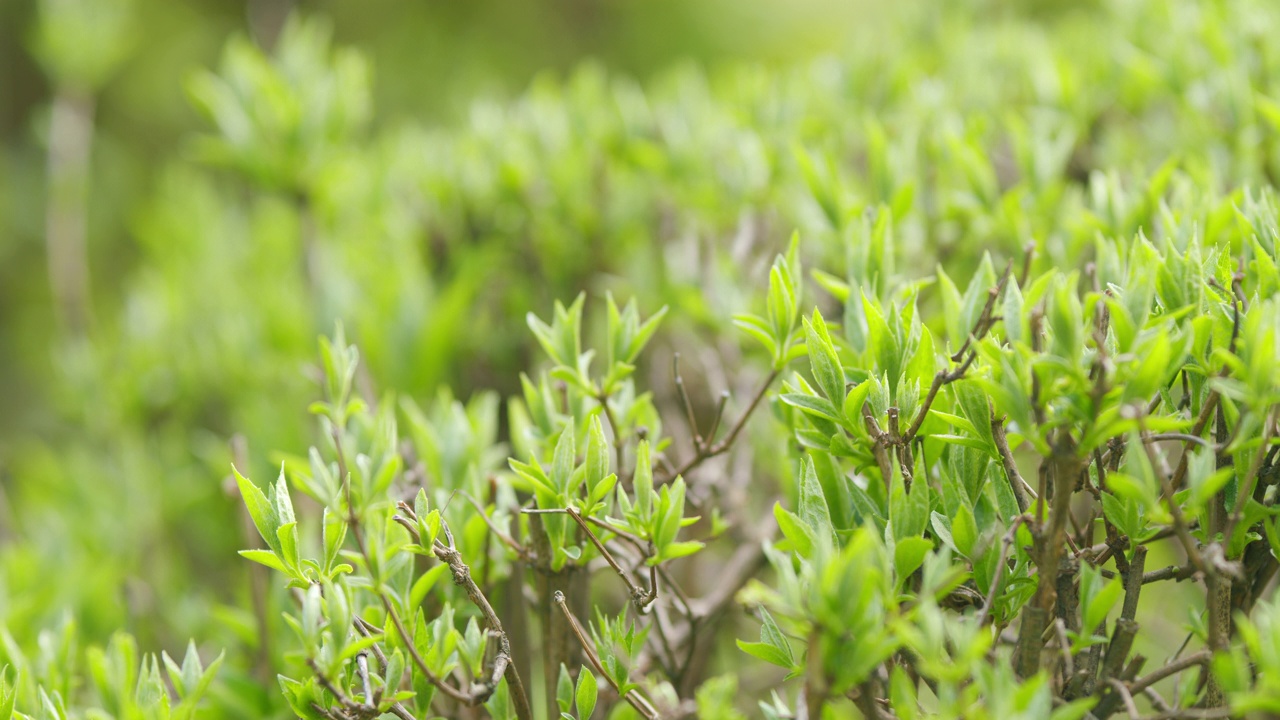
[[1000, 568], [965, 355], [367, 630], [686, 404], [521, 551], [358, 710], [1016, 482], [362, 667], [709, 451], [719, 414], [1064, 647], [1180, 527], [636, 700], [643, 599], [1125, 696], [1172, 668]]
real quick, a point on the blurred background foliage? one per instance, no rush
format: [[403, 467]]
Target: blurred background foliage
[[190, 192]]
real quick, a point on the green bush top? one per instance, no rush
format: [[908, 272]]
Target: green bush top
[[988, 438]]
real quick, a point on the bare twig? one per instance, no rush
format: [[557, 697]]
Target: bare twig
[[684, 402], [1064, 647], [709, 448], [521, 551], [1181, 530], [1000, 569], [1173, 668], [641, 598], [1125, 696], [1016, 482]]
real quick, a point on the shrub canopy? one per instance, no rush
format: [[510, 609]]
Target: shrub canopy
[[938, 378]]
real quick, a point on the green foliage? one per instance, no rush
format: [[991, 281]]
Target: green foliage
[[1029, 381]]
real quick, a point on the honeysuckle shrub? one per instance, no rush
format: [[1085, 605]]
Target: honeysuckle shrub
[[965, 533], [1047, 214]]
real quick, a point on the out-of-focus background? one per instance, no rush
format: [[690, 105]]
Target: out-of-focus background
[[190, 192]]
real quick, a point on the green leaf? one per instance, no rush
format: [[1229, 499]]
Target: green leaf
[[533, 476], [765, 652], [794, 530], [816, 406], [8, 694], [813, 503], [1097, 597], [773, 646], [851, 408], [641, 339], [823, 359], [908, 556], [424, 583], [942, 529], [586, 694], [902, 695], [264, 515], [643, 481], [674, 550], [562, 463], [1273, 536], [288, 534], [1125, 514], [265, 557], [597, 464], [964, 530], [757, 328], [564, 690]]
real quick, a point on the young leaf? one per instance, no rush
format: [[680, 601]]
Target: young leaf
[[265, 516], [773, 646], [585, 695]]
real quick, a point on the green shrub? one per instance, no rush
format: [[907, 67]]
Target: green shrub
[[1014, 435], [917, 570]]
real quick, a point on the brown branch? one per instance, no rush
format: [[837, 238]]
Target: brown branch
[[355, 710], [880, 442], [689, 415], [1064, 647], [1125, 696], [1173, 668], [1016, 482], [1134, 579]]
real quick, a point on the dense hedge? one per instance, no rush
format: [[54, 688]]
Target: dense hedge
[[951, 499]]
